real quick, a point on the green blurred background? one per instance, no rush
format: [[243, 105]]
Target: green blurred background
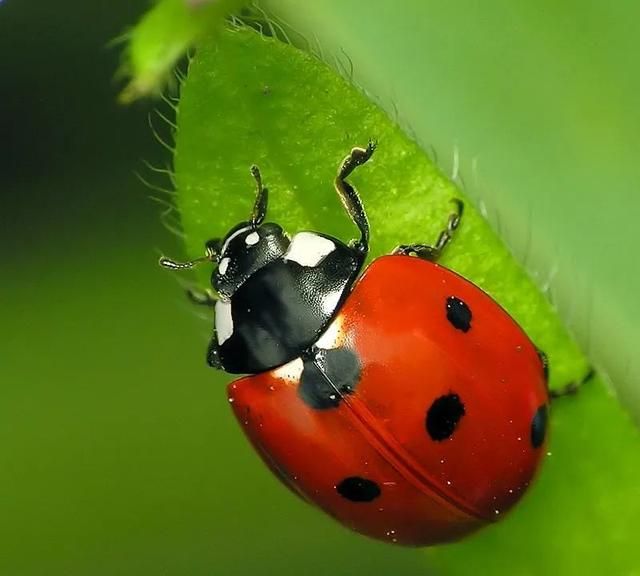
[[539, 102], [118, 454]]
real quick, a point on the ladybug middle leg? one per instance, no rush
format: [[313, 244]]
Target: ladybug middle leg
[[568, 389], [432, 253], [572, 387]]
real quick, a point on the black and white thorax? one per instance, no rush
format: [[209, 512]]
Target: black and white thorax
[[276, 295]]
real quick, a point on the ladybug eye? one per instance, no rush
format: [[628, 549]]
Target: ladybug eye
[[212, 248], [443, 416]]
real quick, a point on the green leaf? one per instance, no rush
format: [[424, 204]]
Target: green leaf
[[161, 37], [250, 99], [536, 103]]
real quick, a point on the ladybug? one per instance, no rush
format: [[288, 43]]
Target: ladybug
[[402, 400]]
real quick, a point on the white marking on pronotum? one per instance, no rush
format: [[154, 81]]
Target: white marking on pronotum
[[222, 267], [291, 371], [252, 239], [332, 336], [234, 235], [330, 302], [309, 249], [224, 321]]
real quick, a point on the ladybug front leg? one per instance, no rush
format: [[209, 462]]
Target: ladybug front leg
[[208, 298], [432, 253], [213, 354], [202, 297], [349, 197]]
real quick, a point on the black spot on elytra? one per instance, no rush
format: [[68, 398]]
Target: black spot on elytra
[[443, 416], [545, 364], [327, 376], [458, 314], [358, 489], [539, 426]]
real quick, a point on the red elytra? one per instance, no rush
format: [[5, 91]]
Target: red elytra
[[372, 461]]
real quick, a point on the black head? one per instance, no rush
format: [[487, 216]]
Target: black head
[[246, 248]]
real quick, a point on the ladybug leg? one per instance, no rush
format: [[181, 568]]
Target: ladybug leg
[[202, 297], [432, 253], [208, 298], [262, 198], [545, 364], [349, 196], [213, 355], [568, 389], [572, 387]]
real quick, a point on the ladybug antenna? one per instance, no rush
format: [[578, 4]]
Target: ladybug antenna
[[173, 265], [262, 198], [210, 253]]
